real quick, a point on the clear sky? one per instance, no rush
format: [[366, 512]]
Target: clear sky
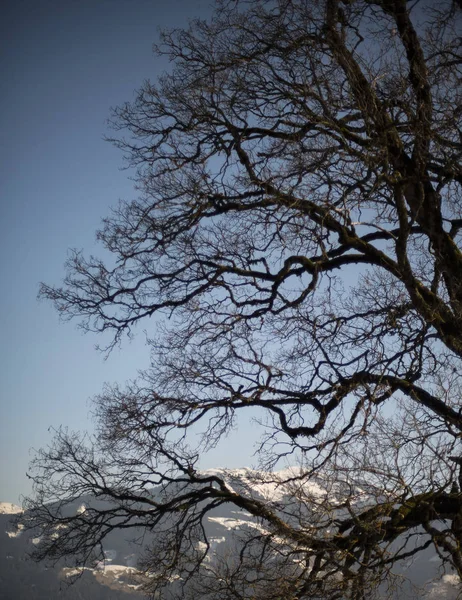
[[63, 64]]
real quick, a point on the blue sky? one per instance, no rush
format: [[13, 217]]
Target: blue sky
[[64, 64]]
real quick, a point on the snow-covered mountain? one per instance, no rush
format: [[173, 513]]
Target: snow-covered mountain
[[116, 578], [23, 579], [7, 508]]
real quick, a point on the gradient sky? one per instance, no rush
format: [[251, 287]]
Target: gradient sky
[[64, 64]]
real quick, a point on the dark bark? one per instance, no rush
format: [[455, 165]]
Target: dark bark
[[299, 228]]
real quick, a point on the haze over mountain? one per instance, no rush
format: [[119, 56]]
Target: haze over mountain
[[116, 577]]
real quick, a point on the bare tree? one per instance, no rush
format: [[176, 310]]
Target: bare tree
[[298, 229]]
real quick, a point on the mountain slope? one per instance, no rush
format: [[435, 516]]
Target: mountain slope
[[116, 578]]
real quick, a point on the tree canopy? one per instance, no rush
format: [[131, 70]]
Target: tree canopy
[[298, 231]]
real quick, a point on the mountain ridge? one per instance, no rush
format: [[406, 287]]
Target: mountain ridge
[[116, 577]]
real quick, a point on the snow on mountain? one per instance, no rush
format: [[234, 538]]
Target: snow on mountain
[[7, 508], [232, 524], [272, 487], [17, 532], [449, 588], [82, 508], [423, 572], [117, 573], [115, 577]]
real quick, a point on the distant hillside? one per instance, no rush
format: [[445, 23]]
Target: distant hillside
[[117, 577], [23, 579]]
